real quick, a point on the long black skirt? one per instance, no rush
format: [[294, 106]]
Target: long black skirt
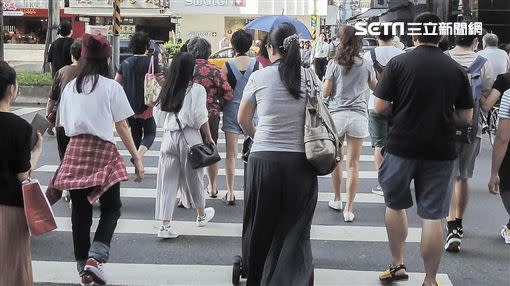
[[281, 189]]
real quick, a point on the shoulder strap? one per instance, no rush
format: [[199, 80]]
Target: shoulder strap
[[180, 128], [372, 55], [477, 65], [250, 69], [235, 70], [151, 66], [377, 66]]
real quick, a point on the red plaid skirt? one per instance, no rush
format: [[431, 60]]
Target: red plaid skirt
[[89, 162]]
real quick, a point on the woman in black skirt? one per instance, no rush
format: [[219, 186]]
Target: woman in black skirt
[[281, 185]]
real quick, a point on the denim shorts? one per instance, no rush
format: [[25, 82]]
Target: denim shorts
[[350, 123], [433, 183], [230, 124]]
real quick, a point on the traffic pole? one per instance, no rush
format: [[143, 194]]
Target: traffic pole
[[116, 34]]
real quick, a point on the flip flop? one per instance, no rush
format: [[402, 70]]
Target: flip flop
[[227, 202], [213, 196]]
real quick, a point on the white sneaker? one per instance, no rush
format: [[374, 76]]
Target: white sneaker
[[336, 205], [167, 231], [203, 220], [377, 190], [505, 234], [349, 216]]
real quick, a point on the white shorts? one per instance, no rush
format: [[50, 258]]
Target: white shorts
[[350, 123]]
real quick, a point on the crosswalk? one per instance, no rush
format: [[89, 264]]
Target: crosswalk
[[26, 110], [202, 256]]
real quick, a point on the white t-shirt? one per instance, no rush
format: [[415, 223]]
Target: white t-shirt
[[383, 55], [93, 112], [498, 58], [193, 112]]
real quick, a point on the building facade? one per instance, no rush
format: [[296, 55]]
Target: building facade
[[150, 16], [215, 19], [26, 21]]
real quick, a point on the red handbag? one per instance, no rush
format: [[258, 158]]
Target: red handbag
[[38, 211]]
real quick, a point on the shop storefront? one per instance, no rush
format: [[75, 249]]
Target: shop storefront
[[26, 21], [138, 15], [216, 19]]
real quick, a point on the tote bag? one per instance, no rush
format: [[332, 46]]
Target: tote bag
[[151, 86], [38, 211]]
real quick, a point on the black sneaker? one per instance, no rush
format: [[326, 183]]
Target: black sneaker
[[453, 241], [460, 230]]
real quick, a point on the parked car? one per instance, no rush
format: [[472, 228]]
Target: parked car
[[220, 57], [369, 44], [155, 48]]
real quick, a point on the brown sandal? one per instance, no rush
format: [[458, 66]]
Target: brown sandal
[[390, 275]]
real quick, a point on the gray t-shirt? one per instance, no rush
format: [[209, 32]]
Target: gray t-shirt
[[350, 91], [281, 116]]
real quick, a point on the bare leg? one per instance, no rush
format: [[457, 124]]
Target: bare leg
[[212, 174], [354, 146], [337, 177], [460, 199], [200, 211], [431, 249], [396, 227], [230, 163]]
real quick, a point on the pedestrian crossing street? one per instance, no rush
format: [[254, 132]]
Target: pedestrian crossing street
[[344, 254]]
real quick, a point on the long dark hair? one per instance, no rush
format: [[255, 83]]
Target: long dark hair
[[177, 80], [93, 68], [349, 48], [283, 38]]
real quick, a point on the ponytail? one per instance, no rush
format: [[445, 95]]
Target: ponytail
[[284, 38]]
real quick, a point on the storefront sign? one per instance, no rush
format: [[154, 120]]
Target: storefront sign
[[215, 2], [29, 11], [8, 6], [13, 13], [11, 5], [108, 4], [202, 34]]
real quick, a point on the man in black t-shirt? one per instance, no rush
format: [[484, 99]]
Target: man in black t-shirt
[[59, 54], [500, 171], [427, 94]]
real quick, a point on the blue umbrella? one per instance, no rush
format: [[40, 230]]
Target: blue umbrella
[[265, 23]]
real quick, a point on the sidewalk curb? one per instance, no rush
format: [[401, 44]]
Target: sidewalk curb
[[33, 94]]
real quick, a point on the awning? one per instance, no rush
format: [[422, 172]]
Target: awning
[[372, 12], [108, 12]]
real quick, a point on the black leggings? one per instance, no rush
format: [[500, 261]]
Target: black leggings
[[62, 142], [81, 218], [143, 131]]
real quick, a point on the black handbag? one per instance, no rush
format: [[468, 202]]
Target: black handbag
[[200, 155]]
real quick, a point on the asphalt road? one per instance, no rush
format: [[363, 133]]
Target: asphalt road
[[203, 256]]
